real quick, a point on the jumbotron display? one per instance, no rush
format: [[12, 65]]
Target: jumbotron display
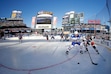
[[44, 20]]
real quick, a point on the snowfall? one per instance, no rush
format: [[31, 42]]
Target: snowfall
[[36, 55]]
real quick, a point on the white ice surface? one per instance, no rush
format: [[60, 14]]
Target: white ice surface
[[38, 56]]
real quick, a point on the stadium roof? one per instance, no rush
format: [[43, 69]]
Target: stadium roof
[[21, 19], [44, 15]]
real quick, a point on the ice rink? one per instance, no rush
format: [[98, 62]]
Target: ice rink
[[36, 55]]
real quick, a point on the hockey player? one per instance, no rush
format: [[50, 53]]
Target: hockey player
[[62, 36], [93, 45], [20, 37], [83, 44], [88, 39], [52, 36], [75, 41]]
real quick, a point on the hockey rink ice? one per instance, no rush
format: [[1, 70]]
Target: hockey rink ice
[[39, 56]]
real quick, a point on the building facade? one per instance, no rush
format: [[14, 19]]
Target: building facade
[[14, 24], [72, 19], [44, 21]]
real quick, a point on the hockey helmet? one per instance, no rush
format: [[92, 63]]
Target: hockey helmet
[[76, 32]]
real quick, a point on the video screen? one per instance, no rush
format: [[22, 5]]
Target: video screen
[[44, 20]]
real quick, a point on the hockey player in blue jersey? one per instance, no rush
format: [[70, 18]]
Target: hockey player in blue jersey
[[75, 38], [76, 41]]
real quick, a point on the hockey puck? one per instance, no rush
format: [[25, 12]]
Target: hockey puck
[[78, 63]]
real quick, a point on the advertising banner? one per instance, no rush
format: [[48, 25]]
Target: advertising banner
[[45, 12], [94, 22], [54, 20], [43, 26], [33, 20]]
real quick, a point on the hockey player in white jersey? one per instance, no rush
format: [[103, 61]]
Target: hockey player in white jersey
[[76, 41]]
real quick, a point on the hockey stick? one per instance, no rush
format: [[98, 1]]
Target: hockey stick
[[99, 53], [91, 58]]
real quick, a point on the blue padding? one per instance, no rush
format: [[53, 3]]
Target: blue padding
[[73, 43]]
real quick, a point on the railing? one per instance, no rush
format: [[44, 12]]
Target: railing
[[103, 42]]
